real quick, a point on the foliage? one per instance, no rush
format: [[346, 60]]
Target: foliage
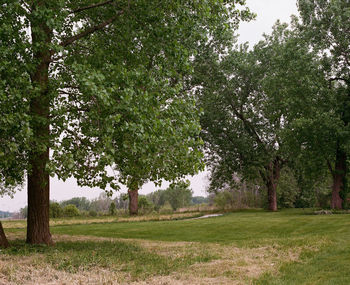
[[144, 205], [239, 195], [101, 204], [97, 83], [56, 210], [71, 211], [166, 209], [111, 209], [92, 213], [179, 194], [287, 189], [324, 26], [199, 200], [82, 203], [158, 198]]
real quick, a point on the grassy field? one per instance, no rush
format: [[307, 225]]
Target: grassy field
[[246, 247]]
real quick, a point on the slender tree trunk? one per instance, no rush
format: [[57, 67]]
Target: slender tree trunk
[[339, 175], [3, 239], [38, 178], [133, 202]]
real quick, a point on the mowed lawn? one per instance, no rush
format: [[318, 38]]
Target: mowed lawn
[[247, 247]]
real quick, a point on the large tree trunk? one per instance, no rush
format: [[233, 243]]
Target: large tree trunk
[[133, 202], [271, 177], [3, 239], [339, 176], [38, 178]]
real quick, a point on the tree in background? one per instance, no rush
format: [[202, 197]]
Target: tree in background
[[240, 122], [251, 104], [325, 26], [111, 209], [179, 194], [56, 210], [77, 64], [82, 203], [71, 211]]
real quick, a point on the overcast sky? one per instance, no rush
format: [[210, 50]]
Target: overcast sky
[[268, 12]]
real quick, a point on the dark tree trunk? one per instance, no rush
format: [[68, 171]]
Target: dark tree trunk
[[133, 202], [339, 176], [272, 196], [38, 178], [271, 177], [3, 239]]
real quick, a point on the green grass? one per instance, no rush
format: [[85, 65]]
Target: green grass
[[242, 228], [78, 256], [325, 240]]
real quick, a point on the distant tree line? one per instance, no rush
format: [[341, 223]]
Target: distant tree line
[[176, 196]]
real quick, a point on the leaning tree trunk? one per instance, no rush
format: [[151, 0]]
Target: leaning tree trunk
[[271, 177], [133, 202], [339, 176], [38, 231], [3, 239]]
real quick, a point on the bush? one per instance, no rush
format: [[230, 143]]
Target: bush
[[92, 213], [55, 210], [71, 211], [144, 205], [111, 209]]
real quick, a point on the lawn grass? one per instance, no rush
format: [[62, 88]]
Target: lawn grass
[[246, 247]]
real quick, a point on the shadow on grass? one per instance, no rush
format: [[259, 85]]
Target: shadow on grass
[[74, 256]]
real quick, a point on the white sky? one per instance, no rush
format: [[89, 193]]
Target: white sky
[[268, 12]]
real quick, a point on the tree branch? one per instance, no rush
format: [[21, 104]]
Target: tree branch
[[248, 125], [330, 167], [91, 6], [339, 79], [89, 31]]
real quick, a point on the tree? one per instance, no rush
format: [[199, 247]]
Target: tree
[[240, 122], [71, 211], [77, 64], [82, 203], [325, 25], [56, 210], [196, 200], [247, 112], [179, 194], [111, 209]]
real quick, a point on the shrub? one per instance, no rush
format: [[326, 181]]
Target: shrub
[[111, 209], [71, 211], [92, 213], [144, 205], [55, 210]]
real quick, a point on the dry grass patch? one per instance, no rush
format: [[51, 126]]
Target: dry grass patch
[[202, 263], [21, 224], [32, 270]]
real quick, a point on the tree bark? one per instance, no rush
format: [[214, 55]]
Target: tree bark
[[38, 231], [133, 202], [339, 176], [271, 177], [3, 239]]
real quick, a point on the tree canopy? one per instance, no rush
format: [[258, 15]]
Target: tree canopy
[[90, 76]]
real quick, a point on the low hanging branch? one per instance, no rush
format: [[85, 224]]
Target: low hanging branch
[[3, 239]]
